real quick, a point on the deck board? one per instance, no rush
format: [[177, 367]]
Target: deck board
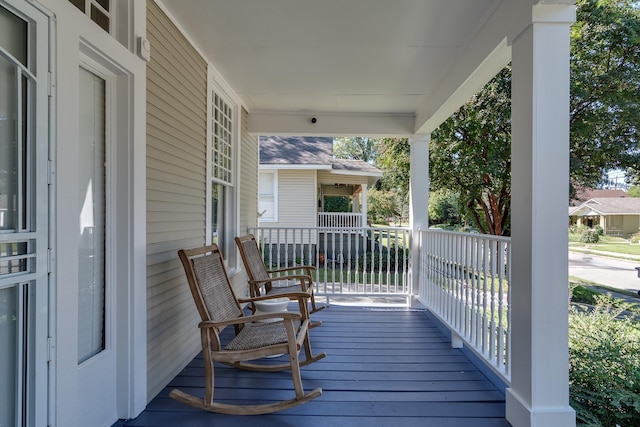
[[384, 367]]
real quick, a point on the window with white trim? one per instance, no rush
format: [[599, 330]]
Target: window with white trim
[[221, 163], [100, 12], [268, 196]]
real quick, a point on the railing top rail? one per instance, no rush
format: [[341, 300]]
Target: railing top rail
[[458, 233], [341, 213], [325, 228]]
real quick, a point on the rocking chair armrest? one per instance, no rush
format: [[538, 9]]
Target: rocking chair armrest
[[247, 319], [309, 269], [304, 278], [290, 295]]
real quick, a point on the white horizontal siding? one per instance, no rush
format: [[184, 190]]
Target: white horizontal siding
[[297, 199], [326, 177], [176, 176]]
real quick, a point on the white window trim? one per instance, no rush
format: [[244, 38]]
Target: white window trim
[[231, 191], [273, 172]]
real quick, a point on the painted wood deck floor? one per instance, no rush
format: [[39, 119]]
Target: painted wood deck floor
[[384, 367]]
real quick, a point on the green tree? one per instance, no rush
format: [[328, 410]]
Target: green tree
[[381, 206], [634, 191], [605, 83], [443, 208], [359, 148], [470, 154], [394, 159]]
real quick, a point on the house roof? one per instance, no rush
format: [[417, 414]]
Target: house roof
[[608, 206], [362, 67], [310, 152], [295, 150], [584, 194]]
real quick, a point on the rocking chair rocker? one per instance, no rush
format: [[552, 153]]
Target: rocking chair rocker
[[283, 333]]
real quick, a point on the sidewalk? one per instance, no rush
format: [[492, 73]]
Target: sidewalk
[[626, 257]]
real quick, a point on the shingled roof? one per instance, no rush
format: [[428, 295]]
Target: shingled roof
[[295, 150], [309, 151], [608, 206]]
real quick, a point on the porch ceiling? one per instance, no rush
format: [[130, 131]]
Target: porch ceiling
[[392, 67]]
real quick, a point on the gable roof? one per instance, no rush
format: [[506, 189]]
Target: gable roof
[[584, 194], [608, 206], [298, 151]]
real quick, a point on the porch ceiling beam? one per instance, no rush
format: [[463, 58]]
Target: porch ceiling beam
[[330, 124], [481, 59]]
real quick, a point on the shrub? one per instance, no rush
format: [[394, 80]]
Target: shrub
[[604, 368], [598, 229], [582, 294], [578, 229], [590, 236], [386, 260], [635, 238]]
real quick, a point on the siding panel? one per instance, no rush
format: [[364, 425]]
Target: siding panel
[[296, 198], [176, 143]]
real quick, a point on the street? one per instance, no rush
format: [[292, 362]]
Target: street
[[605, 271]]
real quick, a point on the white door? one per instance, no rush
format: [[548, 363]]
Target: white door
[[24, 209], [97, 350]]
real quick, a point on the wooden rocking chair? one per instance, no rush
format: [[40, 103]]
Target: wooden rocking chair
[[260, 277], [284, 333]]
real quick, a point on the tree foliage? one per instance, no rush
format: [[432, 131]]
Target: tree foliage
[[605, 83], [444, 208], [394, 158], [359, 148], [470, 154]]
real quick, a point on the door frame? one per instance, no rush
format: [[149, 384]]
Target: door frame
[[78, 39]]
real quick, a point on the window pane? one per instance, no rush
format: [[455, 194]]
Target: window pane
[[79, 4], [13, 36], [13, 258], [8, 147], [8, 355], [100, 18], [104, 4], [91, 254], [222, 149], [217, 214]]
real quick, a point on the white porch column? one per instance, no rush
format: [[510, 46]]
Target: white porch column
[[418, 199], [363, 208], [539, 392]]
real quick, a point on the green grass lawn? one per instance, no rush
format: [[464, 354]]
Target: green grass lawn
[[345, 276], [607, 244]]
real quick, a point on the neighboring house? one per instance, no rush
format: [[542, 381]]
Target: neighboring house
[[297, 173], [617, 216], [129, 130]]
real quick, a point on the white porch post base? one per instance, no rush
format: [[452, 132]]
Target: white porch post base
[[520, 414]]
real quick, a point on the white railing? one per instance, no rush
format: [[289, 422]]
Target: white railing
[[339, 220], [465, 280], [354, 261]]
